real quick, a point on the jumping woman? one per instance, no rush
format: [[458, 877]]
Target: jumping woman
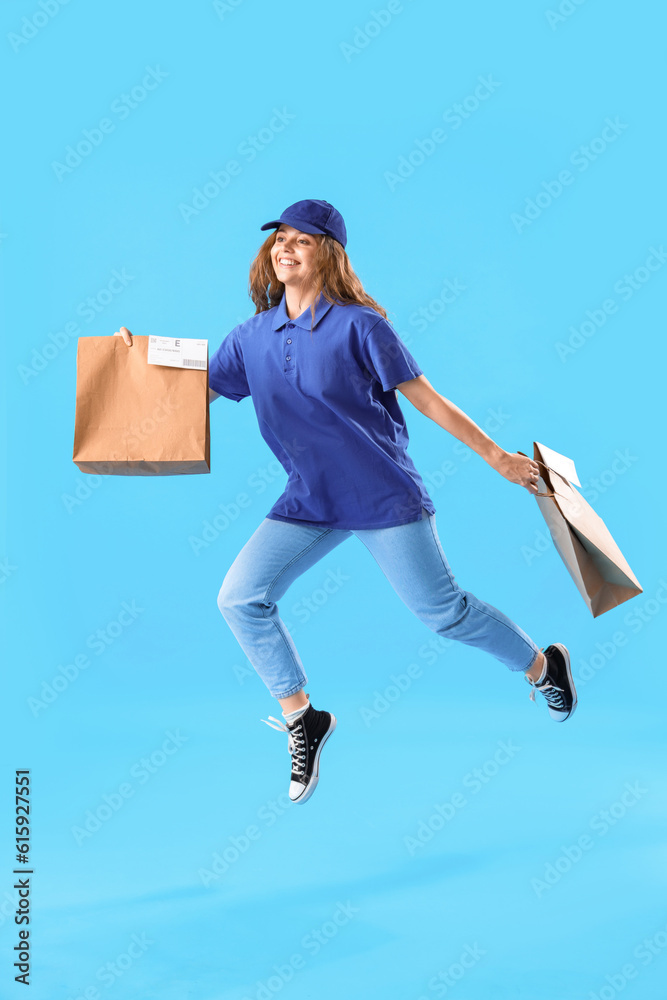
[[322, 365]]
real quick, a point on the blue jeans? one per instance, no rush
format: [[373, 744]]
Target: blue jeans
[[411, 558]]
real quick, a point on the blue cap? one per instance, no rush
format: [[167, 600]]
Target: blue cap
[[313, 216]]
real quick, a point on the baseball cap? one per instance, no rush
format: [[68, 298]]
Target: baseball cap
[[313, 216]]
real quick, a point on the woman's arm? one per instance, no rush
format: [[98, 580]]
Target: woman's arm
[[517, 468]]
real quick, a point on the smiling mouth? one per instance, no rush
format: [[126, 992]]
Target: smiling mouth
[[287, 262]]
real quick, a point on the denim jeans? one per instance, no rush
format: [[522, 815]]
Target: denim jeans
[[412, 560]]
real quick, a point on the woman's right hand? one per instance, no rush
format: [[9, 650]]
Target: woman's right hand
[[125, 334]]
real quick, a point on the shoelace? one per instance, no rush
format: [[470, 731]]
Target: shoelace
[[551, 692], [295, 744]]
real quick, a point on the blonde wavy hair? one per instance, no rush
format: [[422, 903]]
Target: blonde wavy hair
[[334, 277]]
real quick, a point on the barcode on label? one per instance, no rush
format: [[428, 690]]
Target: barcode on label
[[189, 363]]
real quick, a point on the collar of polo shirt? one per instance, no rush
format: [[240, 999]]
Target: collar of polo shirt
[[322, 307]]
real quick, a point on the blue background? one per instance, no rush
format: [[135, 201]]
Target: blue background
[[360, 101]]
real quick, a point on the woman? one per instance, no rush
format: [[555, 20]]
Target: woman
[[322, 364]]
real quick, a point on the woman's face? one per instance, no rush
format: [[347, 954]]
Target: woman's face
[[292, 256]]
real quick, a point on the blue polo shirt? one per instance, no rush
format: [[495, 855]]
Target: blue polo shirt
[[327, 408]]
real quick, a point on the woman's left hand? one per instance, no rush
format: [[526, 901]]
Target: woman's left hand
[[519, 469]]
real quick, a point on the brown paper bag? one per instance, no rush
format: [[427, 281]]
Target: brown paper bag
[[136, 419], [581, 537]]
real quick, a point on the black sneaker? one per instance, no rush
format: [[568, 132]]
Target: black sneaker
[[307, 736], [558, 686]]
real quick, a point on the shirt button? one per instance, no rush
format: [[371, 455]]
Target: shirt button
[[288, 358], [289, 340]]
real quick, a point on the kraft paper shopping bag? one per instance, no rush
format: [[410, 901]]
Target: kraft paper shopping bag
[[583, 541], [138, 419]]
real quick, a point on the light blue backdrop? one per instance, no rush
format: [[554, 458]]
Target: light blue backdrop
[[511, 152]]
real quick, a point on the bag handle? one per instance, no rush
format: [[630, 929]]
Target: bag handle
[[554, 494]]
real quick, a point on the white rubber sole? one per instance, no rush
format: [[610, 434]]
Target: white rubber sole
[[566, 657], [315, 777]]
